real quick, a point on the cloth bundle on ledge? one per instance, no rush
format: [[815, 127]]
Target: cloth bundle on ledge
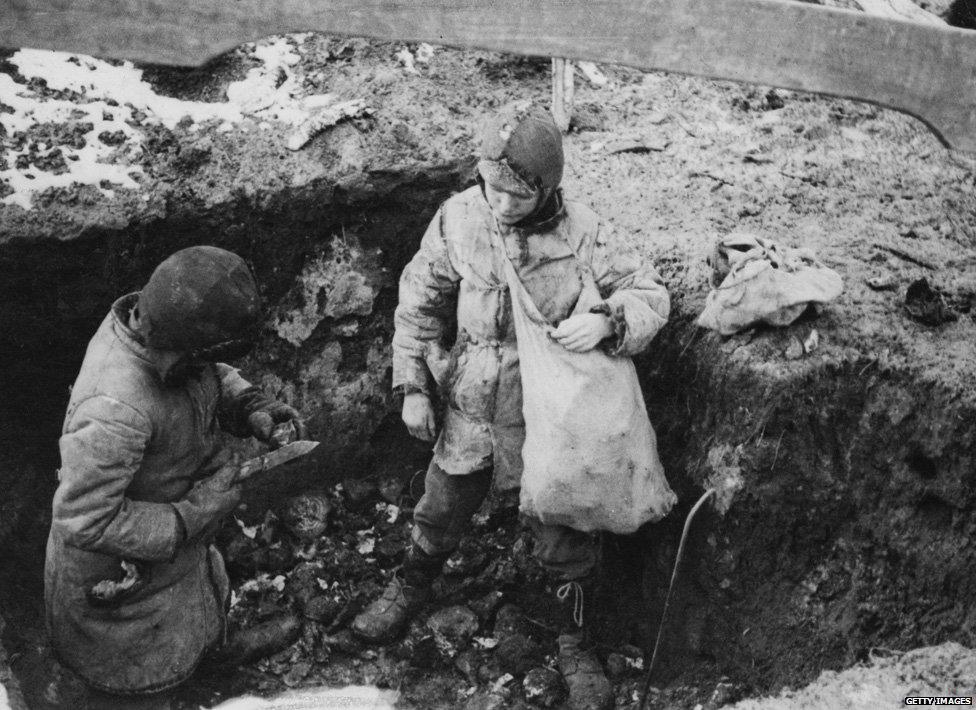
[[756, 281]]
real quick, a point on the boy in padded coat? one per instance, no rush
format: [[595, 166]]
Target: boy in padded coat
[[144, 479], [457, 272]]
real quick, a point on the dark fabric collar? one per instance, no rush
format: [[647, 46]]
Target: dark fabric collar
[[545, 218], [132, 340]]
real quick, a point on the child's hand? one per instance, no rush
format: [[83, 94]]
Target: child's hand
[[583, 332], [418, 415]]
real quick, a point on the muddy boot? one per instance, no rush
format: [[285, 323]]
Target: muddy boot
[[260, 641], [588, 686], [409, 589]]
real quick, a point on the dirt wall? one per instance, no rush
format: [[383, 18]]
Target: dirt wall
[[853, 528]]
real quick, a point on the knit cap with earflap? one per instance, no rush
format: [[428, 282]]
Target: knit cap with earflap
[[521, 144], [198, 298]]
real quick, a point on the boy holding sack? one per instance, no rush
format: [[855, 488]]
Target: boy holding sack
[[547, 317]]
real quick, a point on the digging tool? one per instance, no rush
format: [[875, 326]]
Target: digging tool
[[275, 458], [925, 70], [108, 592]]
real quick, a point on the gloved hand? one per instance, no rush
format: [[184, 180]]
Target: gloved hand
[[211, 498], [270, 414]]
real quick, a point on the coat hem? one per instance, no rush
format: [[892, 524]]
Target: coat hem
[[151, 689]]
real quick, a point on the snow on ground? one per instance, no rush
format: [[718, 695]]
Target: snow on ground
[[104, 106], [352, 697], [948, 670]]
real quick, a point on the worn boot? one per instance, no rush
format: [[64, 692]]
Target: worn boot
[[409, 589], [588, 686]]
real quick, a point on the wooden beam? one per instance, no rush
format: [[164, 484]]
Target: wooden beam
[[563, 92], [900, 10], [925, 70]]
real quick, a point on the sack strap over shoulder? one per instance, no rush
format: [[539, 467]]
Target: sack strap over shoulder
[[517, 288], [521, 298]]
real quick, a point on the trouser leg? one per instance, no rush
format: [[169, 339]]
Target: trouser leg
[[563, 552], [440, 518], [444, 512], [570, 557]]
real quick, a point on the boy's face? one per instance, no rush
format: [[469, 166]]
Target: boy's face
[[509, 208]]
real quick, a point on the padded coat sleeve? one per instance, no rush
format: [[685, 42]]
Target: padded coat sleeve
[[428, 288], [101, 450], [634, 295]]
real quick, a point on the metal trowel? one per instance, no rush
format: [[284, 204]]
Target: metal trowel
[[265, 462], [109, 592]]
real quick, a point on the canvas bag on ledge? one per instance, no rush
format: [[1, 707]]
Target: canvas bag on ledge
[[755, 281], [590, 458]]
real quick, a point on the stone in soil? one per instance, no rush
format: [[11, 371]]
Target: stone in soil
[[486, 605], [322, 609], [465, 563], [544, 687], [488, 700], [456, 624], [510, 620], [928, 305], [307, 516], [517, 653], [359, 491], [468, 662], [303, 581], [617, 665], [419, 646], [345, 642], [261, 640]]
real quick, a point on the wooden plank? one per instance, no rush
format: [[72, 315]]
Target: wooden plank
[[563, 92], [925, 70], [900, 9]]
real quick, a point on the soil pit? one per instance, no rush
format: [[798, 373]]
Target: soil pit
[[853, 531]]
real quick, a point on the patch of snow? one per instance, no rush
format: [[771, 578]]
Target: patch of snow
[[249, 531], [499, 684], [263, 582], [110, 95], [405, 57], [99, 80], [425, 52], [392, 512], [351, 696], [367, 541], [82, 165]]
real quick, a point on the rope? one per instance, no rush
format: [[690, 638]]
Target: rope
[[667, 600], [563, 592]]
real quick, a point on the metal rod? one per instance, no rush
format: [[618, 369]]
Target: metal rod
[[667, 600]]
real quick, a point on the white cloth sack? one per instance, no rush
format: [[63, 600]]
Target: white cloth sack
[[590, 458], [765, 284]]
